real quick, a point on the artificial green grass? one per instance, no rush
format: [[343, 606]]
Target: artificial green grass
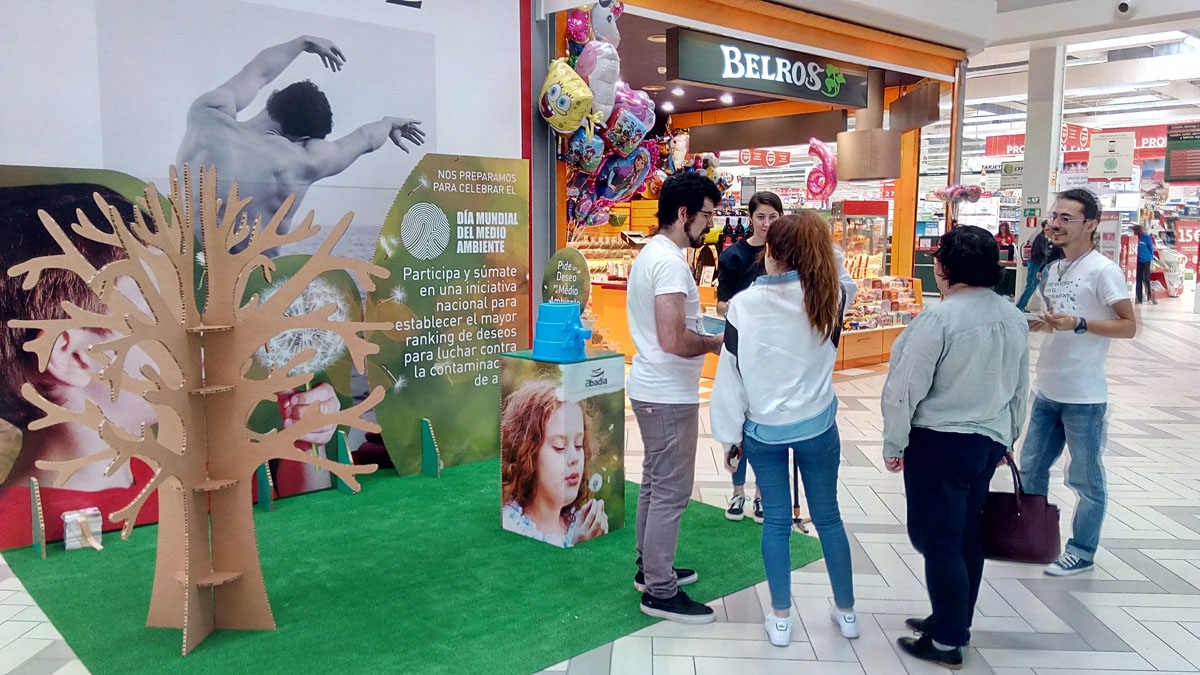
[[412, 575]]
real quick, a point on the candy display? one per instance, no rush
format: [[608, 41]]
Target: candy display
[[882, 302]]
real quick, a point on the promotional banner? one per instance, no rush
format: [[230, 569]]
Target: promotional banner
[[334, 103], [1111, 157], [457, 244], [562, 432], [761, 157]]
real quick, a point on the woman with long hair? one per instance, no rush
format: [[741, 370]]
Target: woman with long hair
[[774, 392], [1007, 241], [545, 446]]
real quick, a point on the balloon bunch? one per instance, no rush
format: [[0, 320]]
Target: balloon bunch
[[602, 123], [822, 178], [954, 194]]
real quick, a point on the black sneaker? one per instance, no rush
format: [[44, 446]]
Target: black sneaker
[[683, 577], [758, 514], [922, 626], [737, 508], [922, 648], [679, 608]]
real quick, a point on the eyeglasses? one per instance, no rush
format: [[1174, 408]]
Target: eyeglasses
[[1064, 218], [707, 214]]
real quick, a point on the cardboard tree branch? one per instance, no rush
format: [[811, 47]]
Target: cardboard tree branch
[[207, 574]]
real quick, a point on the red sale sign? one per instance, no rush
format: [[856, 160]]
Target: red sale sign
[[1187, 241], [767, 158], [1150, 142]]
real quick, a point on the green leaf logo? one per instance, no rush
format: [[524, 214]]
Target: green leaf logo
[[833, 81]]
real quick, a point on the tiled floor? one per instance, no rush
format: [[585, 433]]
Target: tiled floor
[[1139, 611]]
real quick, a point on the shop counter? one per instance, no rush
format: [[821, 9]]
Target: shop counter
[[857, 348]]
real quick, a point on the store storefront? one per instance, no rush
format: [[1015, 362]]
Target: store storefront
[[740, 102]]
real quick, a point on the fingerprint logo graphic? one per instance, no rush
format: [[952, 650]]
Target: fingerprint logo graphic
[[425, 231]]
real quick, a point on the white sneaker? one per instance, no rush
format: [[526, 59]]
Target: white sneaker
[[779, 630], [847, 622]]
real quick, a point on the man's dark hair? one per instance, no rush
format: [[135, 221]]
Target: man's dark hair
[[970, 255], [26, 238], [687, 190], [1091, 205], [769, 199], [301, 110]]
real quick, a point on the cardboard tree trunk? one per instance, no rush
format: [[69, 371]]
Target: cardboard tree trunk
[[207, 574]]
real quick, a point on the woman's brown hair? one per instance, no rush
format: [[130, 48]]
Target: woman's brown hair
[[804, 243], [522, 433]]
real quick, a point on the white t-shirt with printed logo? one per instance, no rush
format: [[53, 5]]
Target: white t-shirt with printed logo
[[1070, 368], [656, 376]]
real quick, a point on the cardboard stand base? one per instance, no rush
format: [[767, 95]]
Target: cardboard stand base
[[431, 457], [39, 518]]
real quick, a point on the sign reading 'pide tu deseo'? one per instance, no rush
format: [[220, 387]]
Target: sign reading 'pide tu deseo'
[[700, 58]]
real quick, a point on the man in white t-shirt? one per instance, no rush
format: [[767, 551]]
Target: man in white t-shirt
[[664, 386], [1087, 306]]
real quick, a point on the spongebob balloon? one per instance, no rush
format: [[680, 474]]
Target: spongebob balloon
[[566, 101]]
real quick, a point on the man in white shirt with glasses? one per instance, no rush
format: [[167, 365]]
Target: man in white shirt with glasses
[[1086, 306]]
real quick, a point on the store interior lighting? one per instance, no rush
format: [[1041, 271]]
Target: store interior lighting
[[726, 98], [1128, 41], [678, 91]]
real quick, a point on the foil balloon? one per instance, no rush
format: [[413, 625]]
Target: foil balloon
[[677, 149], [974, 193], [566, 101], [603, 21], [579, 22], [822, 178], [583, 151], [654, 184], [632, 118], [619, 178], [600, 67]]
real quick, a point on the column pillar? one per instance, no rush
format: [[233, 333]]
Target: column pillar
[[1043, 139]]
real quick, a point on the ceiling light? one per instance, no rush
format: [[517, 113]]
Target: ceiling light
[[661, 38], [667, 106], [1132, 40], [708, 99], [662, 70], [678, 91], [653, 87], [726, 98], [1133, 106]]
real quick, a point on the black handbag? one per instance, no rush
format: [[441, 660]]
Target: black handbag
[[1018, 527]]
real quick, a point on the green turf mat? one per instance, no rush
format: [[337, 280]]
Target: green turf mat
[[412, 575]]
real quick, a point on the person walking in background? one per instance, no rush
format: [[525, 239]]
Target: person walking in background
[[1087, 306], [774, 391], [953, 403], [737, 269], [1006, 240], [663, 304], [1146, 253], [1042, 253]]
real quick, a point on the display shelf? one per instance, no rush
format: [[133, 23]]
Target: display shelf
[[861, 229]]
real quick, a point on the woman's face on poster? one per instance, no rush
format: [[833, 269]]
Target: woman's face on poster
[[560, 460]]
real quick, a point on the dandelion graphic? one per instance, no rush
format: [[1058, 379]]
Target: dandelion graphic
[[398, 295], [595, 482], [398, 381], [329, 346], [422, 182], [388, 244]]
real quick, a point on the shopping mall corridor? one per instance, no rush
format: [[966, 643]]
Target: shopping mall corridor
[[1138, 611]]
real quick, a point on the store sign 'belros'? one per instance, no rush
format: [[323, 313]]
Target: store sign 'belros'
[[700, 58]]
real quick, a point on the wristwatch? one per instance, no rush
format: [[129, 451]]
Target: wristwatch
[[1082, 327]]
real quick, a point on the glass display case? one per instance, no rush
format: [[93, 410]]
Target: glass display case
[[861, 229]]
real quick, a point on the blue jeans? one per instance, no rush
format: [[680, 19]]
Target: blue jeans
[[1081, 428], [817, 459], [1031, 284]]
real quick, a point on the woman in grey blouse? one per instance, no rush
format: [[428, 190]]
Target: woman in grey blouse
[[953, 404]]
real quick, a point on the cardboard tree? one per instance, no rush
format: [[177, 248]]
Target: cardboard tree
[[207, 575]]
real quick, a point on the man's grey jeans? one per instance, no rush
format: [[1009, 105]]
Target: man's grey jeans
[[669, 435]]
